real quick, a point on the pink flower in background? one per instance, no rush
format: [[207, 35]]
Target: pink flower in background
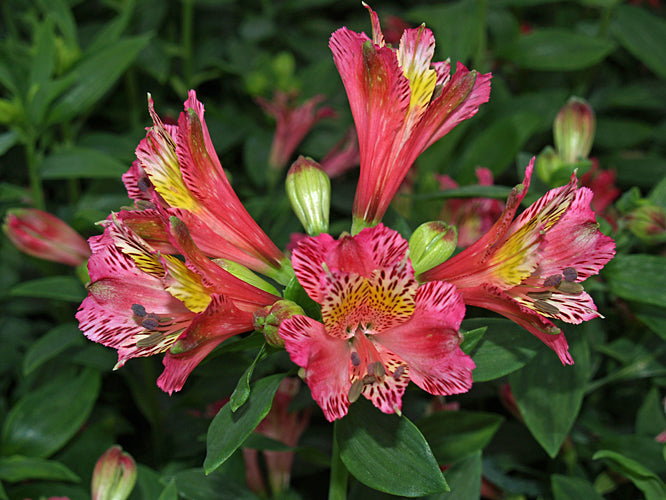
[[401, 103], [293, 123], [343, 156], [281, 425], [379, 329], [529, 269], [177, 172], [473, 217], [45, 236], [142, 303], [602, 184]]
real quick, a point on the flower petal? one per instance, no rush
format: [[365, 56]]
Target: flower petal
[[326, 361], [429, 341]]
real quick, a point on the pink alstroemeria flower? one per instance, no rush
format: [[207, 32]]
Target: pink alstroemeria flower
[[473, 217], [380, 328], [45, 236], [401, 103], [529, 269], [292, 123], [177, 172], [142, 303]]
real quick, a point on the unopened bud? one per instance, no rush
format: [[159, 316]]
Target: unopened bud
[[243, 273], [43, 235], [309, 191], [431, 244], [648, 223], [268, 320], [573, 130], [114, 475], [547, 163]]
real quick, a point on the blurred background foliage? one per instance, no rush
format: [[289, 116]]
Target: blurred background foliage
[[73, 81]]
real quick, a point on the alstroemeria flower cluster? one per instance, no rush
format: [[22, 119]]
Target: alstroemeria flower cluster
[[530, 269], [402, 103], [379, 328]]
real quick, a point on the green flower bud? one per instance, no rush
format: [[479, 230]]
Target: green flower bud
[[309, 191], [114, 475], [431, 244], [648, 223], [243, 273], [547, 163], [268, 319], [573, 130]]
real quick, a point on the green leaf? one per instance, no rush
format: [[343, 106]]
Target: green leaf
[[636, 170], [170, 492], [558, 50], [43, 420], [50, 345], [642, 34], [471, 338], [645, 480], [473, 191], [7, 141], [504, 348], [387, 452], [464, 478], [295, 292], [453, 435], [621, 133], [95, 75], [65, 288], [572, 488], [83, 163], [639, 278], [18, 468], [193, 484], [650, 419], [43, 61], [242, 390], [549, 394], [229, 429]]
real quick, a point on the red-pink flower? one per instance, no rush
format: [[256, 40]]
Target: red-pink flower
[[602, 184], [293, 123], [401, 103], [343, 156], [45, 236], [529, 269], [177, 172], [473, 217], [141, 302], [379, 328]]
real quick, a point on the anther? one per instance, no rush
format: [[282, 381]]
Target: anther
[[150, 340], [553, 280], [369, 379], [138, 310], [570, 274], [150, 322], [143, 184], [399, 371], [380, 371], [570, 288], [540, 295], [545, 307], [355, 358], [355, 390]]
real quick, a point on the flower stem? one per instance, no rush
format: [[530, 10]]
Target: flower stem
[[31, 159], [187, 18], [337, 489]]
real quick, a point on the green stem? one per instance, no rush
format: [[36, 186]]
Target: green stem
[[33, 163], [188, 19], [337, 489]]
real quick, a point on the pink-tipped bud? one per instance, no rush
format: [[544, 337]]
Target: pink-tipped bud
[[431, 244], [309, 191], [648, 223], [114, 475], [43, 235], [573, 130], [268, 320]]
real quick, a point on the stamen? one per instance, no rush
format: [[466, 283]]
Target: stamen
[[540, 295], [570, 288], [355, 391], [369, 379], [545, 307], [150, 340], [397, 410], [138, 310], [380, 371], [399, 371], [150, 322], [327, 270], [355, 358], [143, 184], [570, 274], [553, 280]]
